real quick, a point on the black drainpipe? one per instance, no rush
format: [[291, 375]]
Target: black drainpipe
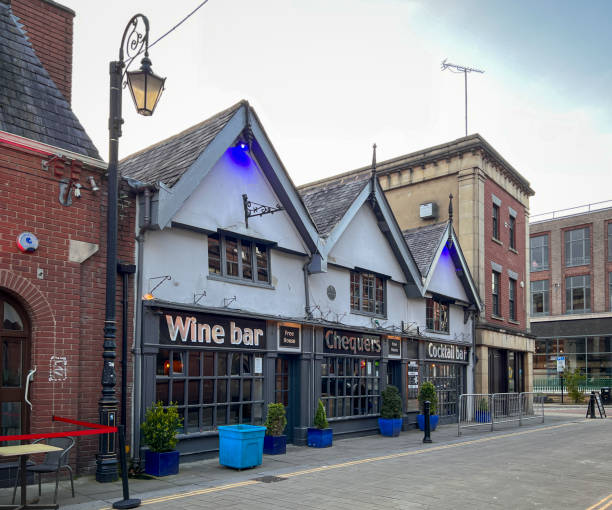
[[125, 270]]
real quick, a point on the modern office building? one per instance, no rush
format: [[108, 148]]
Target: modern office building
[[571, 291]]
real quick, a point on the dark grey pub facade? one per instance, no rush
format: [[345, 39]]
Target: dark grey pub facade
[[223, 367]]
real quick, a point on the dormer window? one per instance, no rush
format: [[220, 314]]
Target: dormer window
[[234, 257], [367, 293]]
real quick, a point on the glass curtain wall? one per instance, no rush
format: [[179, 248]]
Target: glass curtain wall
[[591, 355]]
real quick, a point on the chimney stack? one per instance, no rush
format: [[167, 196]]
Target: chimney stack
[[48, 26]]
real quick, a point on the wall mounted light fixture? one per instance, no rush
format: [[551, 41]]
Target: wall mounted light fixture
[[149, 295]]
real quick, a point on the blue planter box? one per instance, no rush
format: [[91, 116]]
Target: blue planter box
[[433, 421], [275, 445], [320, 438], [162, 464], [482, 416], [390, 427], [241, 446]]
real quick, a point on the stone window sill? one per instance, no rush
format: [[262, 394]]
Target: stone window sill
[[497, 317], [495, 240], [511, 321], [513, 250]]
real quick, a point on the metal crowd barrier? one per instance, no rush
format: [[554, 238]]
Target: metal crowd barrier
[[477, 409]]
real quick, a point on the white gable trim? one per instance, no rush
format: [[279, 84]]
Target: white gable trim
[[449, 233], [170, 200]]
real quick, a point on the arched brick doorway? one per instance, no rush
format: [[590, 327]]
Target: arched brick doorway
[[15, 359]]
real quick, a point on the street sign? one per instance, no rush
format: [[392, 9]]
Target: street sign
[[560, 363]]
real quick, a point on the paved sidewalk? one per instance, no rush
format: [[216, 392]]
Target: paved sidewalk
[[315, 478]]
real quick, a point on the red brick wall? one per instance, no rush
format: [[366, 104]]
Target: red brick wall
[[66, 308], [504, 256], [49, 28]]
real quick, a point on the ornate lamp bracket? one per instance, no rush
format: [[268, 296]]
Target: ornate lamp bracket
[[254, 209]]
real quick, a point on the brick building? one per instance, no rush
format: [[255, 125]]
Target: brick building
[[571, 287], [52, 190], [492, 204]]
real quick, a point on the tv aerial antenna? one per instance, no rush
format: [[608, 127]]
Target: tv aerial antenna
[[465, 70]]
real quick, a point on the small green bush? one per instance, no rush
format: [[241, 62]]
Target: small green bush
[[428, 392], [161, 426], [573, 380], [276, 420], [483, 404], [391, 403], [320, 419]]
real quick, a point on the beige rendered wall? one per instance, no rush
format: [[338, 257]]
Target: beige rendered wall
[[406, 200]]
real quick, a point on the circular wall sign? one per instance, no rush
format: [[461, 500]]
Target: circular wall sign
[[331, 292], [27, 242]]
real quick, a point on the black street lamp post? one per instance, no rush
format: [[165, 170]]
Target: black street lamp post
[[146, 88]]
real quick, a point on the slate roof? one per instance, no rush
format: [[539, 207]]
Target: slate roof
[[30, 104], [423, 243], [327, 202], [168, 160]]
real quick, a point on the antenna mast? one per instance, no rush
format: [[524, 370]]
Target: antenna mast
[[465, 70]]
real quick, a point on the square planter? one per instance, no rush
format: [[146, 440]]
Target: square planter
[[390, 427], [482, 416], [162, 463], [320, 438], [241, 446], [275, 445], [433, 421]]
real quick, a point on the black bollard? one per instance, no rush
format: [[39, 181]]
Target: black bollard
[[126, 502], [427, 436], [592, 405]]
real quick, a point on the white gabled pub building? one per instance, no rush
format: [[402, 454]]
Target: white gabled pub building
[[258, 292]]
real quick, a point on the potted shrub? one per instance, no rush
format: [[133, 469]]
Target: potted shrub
[[275, 442], [427, 392], [159, 430], [390, 421], [321, 435], [482, 411]]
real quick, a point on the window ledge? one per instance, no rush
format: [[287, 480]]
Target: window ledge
[[369, 314], [577, 264], [539, 269], [497, 317], [495, 240], [239, 281], [437, 332], [513, 250], [512, 321]]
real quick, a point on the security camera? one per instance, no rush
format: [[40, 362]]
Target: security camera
[[92, 183], [77, 190]]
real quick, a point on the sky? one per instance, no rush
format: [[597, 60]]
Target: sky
[[329, 78]]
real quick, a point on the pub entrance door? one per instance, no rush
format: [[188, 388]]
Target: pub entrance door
[[14, 367], [287, 391]]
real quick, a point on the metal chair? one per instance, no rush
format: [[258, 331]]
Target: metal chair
[[52, 463]]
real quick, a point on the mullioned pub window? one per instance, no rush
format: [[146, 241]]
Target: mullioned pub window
[[350, 386], [238, 258], [436, 315], [367, 293], [211, 388]]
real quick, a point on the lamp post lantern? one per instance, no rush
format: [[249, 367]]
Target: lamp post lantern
[[146, 88]]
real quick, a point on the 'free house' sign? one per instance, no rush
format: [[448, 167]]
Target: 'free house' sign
[[212, 331]]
